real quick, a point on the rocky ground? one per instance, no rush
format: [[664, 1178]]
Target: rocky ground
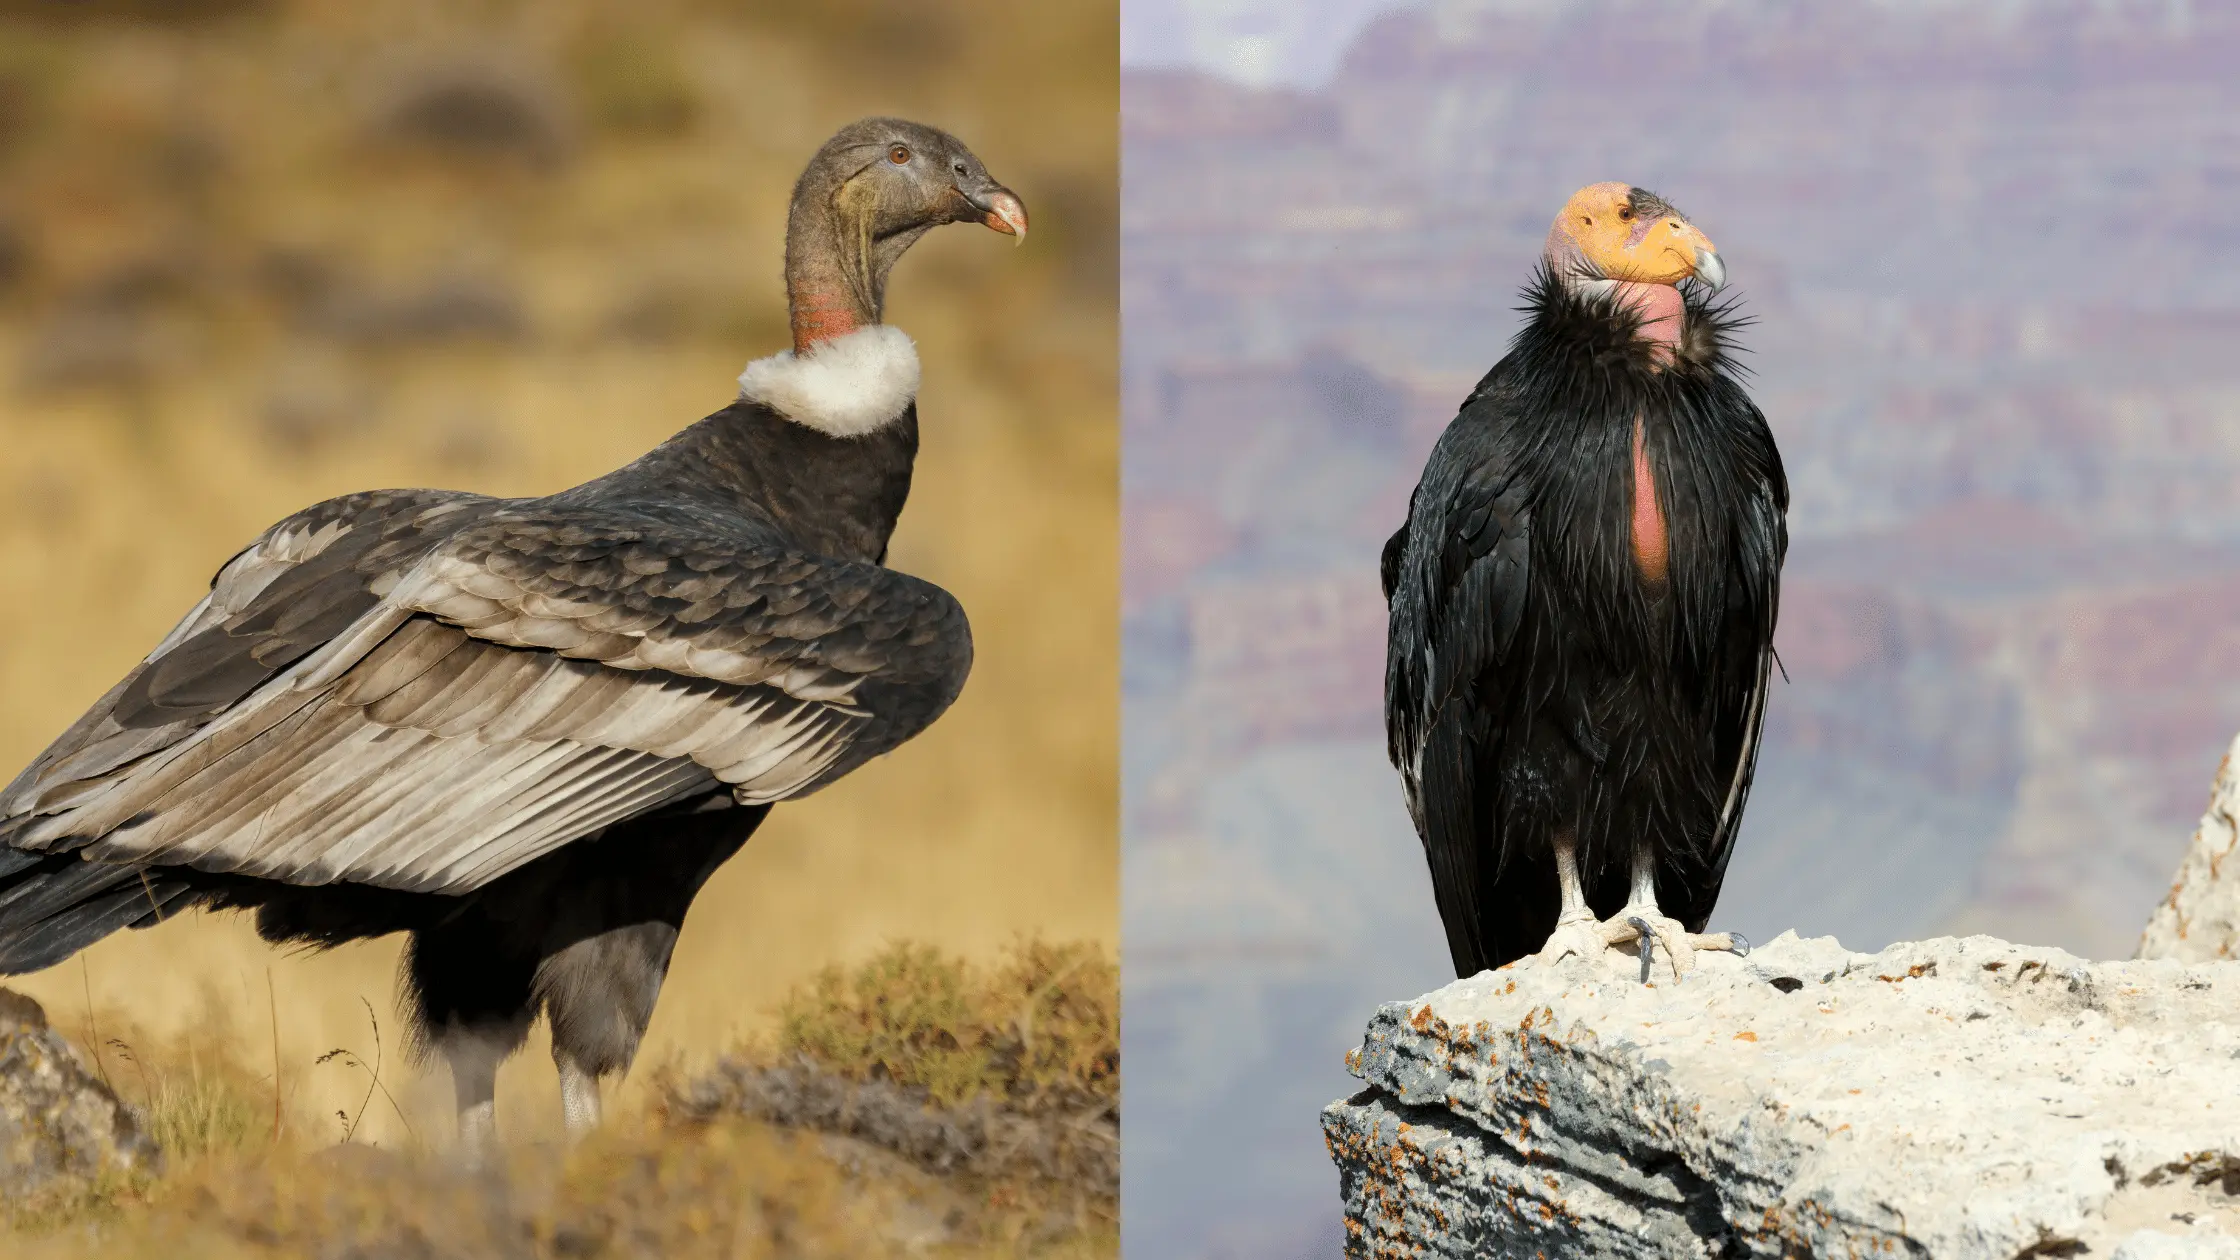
[[1956, 1098], [60, 1126], [1950, 1098]]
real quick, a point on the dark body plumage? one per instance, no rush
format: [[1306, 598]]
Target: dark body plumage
[[1537, 680], [746, 535]]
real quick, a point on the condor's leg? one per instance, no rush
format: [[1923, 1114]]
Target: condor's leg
[[614, 925], [468, 993], [1577, 930], [599, 994], [1642, 921]]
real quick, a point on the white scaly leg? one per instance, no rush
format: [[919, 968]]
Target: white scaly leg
[[579, 1099], [474, 1080], [1576, 932]]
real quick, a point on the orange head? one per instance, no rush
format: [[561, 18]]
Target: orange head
[[1618, 232]]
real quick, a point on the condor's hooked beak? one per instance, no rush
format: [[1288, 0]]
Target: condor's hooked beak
[[1671, 250], [1001, 210], [1709, 269]]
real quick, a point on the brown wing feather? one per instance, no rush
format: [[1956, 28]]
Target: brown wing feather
[[520, 683], [339, 549]]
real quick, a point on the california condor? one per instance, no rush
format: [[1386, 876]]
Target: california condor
[[1582, 607]]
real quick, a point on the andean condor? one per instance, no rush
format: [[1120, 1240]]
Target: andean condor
[[1582, 607], [526, 731]]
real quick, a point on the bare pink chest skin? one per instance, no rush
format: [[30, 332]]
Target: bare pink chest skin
[[1660, 308], [1652, 546]]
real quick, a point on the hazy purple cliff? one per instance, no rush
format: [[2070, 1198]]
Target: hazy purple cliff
[[1993, 256]]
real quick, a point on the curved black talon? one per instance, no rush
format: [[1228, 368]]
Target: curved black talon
[[1741, 944], [1648, 939]]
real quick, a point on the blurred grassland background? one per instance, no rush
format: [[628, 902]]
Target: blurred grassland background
[[256, 254]]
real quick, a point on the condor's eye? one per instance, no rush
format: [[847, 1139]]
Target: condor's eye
[[898, 155], [1586, 220], [1626, 212]]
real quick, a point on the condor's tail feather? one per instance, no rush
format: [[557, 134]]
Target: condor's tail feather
[[54, 904]]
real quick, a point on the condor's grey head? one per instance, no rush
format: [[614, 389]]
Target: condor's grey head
[[866, 197]]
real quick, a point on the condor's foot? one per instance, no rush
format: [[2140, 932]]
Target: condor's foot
[[1579, 932], [1654, 934]]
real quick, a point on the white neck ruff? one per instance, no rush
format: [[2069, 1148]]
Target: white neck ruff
[[844, 387]]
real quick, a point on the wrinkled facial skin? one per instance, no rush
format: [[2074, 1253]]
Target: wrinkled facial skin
[[1631, 244], [908, 176], [870, 193], [1618, 232]]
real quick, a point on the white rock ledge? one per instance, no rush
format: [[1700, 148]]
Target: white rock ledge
[[1947, 1098], [2200, 920]]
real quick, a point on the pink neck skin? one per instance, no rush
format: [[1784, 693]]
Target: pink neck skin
[[1660, 307], [1659, 304], [820, 315]]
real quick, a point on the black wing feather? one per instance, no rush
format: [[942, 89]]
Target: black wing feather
[[1457, 586]]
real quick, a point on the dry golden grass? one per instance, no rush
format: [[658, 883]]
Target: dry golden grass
[[1042, 1029], [1003, 1079], [674, 1180], [245, 264]]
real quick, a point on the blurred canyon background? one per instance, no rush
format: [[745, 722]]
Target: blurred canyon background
[[1990, 251], [254, 253]]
